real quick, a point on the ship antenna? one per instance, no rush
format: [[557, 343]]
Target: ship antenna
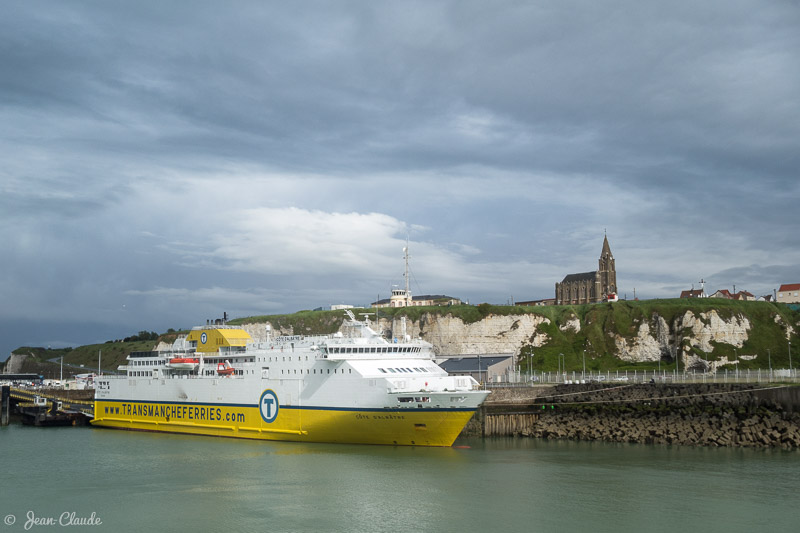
[[366, 317], [405, 275]]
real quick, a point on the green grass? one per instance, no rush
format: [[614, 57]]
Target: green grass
[[302, 322], [113, 355]]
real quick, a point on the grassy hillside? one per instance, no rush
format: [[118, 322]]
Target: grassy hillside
[[599, 324], [79, 360], [302, 322]]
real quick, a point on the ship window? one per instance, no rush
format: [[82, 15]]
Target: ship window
[[349, 370], [382, 370], [405, 399], [393, 371], [329, 371]]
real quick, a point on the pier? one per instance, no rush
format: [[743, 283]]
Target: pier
[[47, 407], [748, 415]]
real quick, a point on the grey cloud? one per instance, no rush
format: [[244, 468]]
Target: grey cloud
[[514, 133]]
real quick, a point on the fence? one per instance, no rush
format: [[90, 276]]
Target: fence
[[646, 376]]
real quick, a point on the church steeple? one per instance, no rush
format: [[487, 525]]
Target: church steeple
[[607, 271], [606, 252]]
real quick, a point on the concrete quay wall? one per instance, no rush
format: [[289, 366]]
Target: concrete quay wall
[[699, 415]]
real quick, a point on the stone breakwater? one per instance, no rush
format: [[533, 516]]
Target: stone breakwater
[[697, 415]]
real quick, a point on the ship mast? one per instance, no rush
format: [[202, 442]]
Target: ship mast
[[405, 275]]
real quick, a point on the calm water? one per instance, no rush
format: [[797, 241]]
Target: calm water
[[150, 482]]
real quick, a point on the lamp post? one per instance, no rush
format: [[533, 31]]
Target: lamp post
[[583, 376], [562, 365], [769, 360], [530, 367], [790, 357]]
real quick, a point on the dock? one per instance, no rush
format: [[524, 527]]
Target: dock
[[47, 407]]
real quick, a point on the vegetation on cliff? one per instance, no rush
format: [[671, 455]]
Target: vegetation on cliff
[[47, 362], [593, 343]]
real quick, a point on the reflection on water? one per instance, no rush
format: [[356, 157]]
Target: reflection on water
[[145, 482]]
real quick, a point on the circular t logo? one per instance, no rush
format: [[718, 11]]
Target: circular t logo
[[268, 404], [203, 337]]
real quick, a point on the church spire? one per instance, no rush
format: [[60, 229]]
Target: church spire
[[606, 248]]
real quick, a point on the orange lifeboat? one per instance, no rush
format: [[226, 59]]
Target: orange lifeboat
[[225, 369], [184, 363]]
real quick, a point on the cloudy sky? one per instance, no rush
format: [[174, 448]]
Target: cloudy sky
[[165, 162]]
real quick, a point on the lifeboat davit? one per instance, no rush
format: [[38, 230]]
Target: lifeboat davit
[[184, 363], [225, 369]]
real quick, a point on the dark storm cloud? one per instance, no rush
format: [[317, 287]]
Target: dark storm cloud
[[144, 143]]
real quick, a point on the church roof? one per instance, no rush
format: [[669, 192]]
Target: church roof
[[583, 276]]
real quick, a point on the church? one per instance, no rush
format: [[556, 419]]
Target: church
[[590, 287]]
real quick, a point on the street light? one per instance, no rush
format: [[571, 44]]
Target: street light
[[530, 366], [769, 360], [562, 364], [790, 357], [583, 376]]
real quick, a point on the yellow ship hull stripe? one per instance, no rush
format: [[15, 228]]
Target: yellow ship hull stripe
[[430, 427]]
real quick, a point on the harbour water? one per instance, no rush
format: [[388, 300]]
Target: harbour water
[[106, 480]]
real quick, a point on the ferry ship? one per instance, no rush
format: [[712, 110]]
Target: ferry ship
[[354, 386]]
